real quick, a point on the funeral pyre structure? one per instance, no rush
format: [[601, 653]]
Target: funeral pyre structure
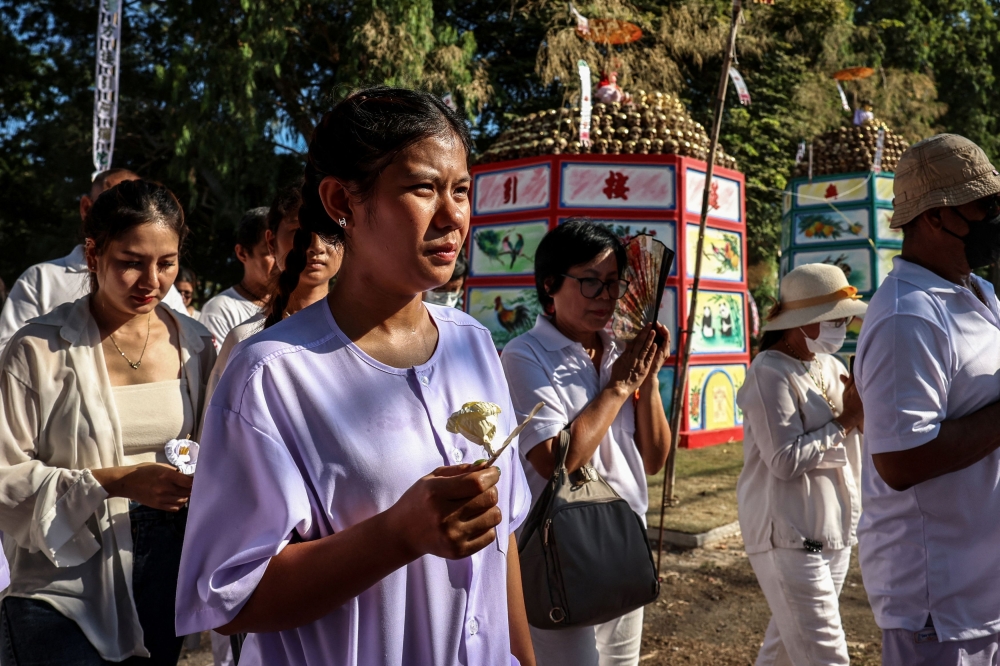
[[652, 124]]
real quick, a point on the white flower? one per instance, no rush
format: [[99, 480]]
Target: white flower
[[477, 422], [182, 454]]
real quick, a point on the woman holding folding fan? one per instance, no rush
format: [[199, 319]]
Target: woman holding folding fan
[[605, 390]]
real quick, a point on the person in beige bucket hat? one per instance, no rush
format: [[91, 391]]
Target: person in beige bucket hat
[[928, 371], [798, 494]]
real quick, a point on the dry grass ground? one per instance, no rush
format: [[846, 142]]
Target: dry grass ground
[[711, 611], [705, 488]]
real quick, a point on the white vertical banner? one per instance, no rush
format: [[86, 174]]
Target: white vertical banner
[[584, 102], [740, 85], [800, 154], [582, 24], [879, 147], [843, 97], [109, 33]]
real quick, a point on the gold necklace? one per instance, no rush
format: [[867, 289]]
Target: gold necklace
[[820, 383], [135, 366]]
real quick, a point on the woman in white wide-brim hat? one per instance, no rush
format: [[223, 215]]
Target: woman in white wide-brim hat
[[799, 492]]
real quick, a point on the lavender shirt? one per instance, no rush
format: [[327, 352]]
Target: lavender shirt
[[307, 434]]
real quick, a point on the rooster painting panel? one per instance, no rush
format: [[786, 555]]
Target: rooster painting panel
[[722, 254], [505, 249], [506, 311]]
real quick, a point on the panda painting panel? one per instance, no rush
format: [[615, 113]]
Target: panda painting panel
[[720, 323]]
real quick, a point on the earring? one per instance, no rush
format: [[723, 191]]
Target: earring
[[342, 222]]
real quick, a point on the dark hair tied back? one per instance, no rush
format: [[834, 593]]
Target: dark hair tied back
[[128, 204], [354, 143], [576, 241]]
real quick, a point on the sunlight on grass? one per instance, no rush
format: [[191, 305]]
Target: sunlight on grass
[[705, 489]]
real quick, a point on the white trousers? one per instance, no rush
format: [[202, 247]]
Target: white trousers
[[614, 643], [802, 589]]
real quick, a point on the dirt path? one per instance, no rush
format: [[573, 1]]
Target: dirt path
[[711, 611]]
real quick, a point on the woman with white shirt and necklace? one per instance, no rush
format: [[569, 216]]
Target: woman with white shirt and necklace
[[799, 492], [589, 381], [92, 514], [334, 518]]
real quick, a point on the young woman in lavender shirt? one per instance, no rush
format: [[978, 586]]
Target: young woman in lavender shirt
[[333, 517]]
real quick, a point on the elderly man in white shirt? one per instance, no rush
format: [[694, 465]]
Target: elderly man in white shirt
[[44, 287], [928, 370]]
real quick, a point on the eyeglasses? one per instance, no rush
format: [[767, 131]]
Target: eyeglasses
[[840, 323], [593, 288], [185, 293]]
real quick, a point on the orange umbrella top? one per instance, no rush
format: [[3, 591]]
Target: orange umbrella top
[[853, 73], [610, 31]]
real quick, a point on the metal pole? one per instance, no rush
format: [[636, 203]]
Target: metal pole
[[680, 378]]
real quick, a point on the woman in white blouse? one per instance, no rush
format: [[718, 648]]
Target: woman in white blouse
[[799, 492], [92, 514], [589, 381]]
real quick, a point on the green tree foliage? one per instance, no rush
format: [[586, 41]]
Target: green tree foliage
[[219, 98], [955, 41], [217, 101], [786, 52]]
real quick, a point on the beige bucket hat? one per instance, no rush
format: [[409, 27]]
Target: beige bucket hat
[[814, 293], [944, 170]]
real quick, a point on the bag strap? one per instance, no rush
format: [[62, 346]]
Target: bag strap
[[561, 452]]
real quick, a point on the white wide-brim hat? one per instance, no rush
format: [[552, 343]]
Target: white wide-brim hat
[[814, 293]]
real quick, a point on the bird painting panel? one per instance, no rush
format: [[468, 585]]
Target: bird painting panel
[[722, 254], [506, 249]]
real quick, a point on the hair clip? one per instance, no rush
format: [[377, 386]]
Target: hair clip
[[342, 222]]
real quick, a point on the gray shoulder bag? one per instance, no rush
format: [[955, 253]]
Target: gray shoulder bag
[[585, 555]]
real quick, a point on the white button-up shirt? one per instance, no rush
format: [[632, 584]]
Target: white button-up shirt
[[306, 434], [800, 475], [929, 351], [68, 543], [44, 287], [543, 365]]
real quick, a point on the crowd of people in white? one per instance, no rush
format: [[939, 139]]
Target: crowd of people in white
[[334, 519]]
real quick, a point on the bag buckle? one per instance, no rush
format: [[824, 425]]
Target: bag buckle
[[557, 615]]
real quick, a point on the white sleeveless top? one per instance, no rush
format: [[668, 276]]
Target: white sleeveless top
[[150, 416]]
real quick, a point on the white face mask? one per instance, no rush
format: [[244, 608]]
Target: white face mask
[[449, 299], [830, 340]]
